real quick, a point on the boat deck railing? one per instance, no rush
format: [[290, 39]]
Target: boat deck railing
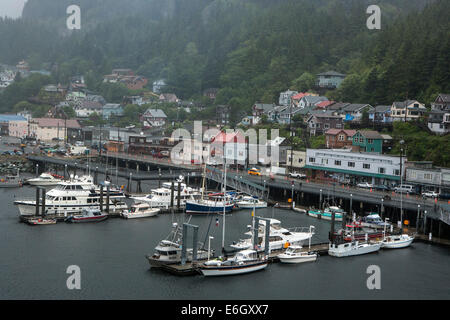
[[299, 229]]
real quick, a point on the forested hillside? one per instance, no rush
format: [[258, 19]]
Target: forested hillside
[[250, 49]]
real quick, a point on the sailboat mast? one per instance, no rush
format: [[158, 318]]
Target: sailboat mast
[[224, 206], [203, 181]]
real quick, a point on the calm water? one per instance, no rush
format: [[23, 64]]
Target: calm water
[[111, 256]]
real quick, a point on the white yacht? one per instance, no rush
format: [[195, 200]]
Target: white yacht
[[140, 210], [279, 237], [352, 248], [73, 196], [160, 197], [45, 179], [250, 202]]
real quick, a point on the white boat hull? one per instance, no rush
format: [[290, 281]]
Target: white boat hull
[[251, 206], [232, 270], [354, 252], [43, 183], [396, 244], [297, 259], [150, 213]]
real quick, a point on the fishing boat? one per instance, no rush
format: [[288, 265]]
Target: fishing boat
[[72, 196], [397, 241], [327, 213], [278, 236], [352, 248], [247, 202], [140, 210], [244, 261], [168, 251], [88, 215], [45, 179], [11, 181], [294, 254], [40, 221], [374, 220]]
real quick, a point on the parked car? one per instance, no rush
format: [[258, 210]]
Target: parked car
[[365, 185], [404, 188], [8, 153], [382, 187], [297, 175], [254, 172], [430, 194]]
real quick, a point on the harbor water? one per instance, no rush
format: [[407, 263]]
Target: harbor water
[[111, 257]]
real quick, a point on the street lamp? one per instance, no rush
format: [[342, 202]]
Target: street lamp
[[37, 169], [417, 220], [209, 246], [320, 203], [401, 183]]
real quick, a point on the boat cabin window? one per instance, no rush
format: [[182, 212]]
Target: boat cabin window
[[275, 238]]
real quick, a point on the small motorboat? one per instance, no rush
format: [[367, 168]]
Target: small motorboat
[[140, 210], [294, 254], [244, 261], [299, 210], [45, 179], [88, 215], [397, 241], [250, 203], [11, 181], [352, 248], [40, 221]]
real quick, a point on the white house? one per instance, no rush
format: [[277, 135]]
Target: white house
[[344, 165]]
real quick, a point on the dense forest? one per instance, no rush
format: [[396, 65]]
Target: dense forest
[[250, 49]]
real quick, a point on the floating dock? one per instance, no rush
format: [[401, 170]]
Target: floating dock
[[192, 268]]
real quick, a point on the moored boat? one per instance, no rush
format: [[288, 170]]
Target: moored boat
[[244, 261], [397, 241], [41, 221], [140, 210], [249, 202], [294, 254], [327, 213], [88, 215], [352, 248], [45, 179]]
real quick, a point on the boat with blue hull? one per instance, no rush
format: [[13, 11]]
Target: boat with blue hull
[[327, 213], [208, 206]]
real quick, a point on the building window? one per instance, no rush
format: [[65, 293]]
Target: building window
[[397, 172], [381, 170], [427, 176], [312, 160], [361, 139], [324, 161], [366, 166], [370, 141], [341, 137], [351, 164], [337, 162]]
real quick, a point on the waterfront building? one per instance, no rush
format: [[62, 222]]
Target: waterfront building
[[425, 177], [347, 166]]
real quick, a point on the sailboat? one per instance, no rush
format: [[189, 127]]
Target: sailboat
[[211, 205], [244, 261], [396, 241]]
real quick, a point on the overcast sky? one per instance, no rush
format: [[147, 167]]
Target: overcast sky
[[11, 8]]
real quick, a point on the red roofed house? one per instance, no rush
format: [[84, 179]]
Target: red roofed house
[[339, 138], [232, 143], [324, 104], [297, 97], [45, 129]]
